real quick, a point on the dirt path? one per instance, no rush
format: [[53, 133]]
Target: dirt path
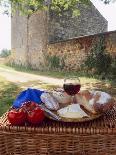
[[25, 80], [21, 77]]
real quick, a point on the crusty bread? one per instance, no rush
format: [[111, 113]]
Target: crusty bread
[[95, 101], [54, 100], [83, 98], [62, 98]]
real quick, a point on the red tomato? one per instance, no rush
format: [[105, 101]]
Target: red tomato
[[35, 116], [33, 105], [29, 106], [17, 116]]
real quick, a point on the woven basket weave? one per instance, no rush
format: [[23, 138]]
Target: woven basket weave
[[97, 137]]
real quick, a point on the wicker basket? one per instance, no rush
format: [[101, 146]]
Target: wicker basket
[[97, 137]]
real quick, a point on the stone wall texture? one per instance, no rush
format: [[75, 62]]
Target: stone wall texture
[[29, 40], [19, 39], [71, 54], [37, 40], [65, 26], [31, 35]]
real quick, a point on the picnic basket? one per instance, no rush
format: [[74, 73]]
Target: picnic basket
[[96, 137]]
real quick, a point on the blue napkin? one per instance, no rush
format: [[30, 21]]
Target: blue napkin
[[28, 95]]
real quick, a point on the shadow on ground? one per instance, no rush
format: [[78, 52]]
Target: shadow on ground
[[38, 85], [9, 91]]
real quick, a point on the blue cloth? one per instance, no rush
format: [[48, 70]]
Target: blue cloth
[[28, 95]]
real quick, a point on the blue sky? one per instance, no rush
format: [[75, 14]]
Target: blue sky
[[108, 11]]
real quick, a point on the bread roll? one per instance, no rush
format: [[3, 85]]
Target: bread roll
[[62, 98], [104, 103], [95, 101]]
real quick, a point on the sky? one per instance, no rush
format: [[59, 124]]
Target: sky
[[108, 11]]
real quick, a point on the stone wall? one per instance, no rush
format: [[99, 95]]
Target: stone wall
[[31, 35], [65, 26], [29, 40], [19, 39], [111, 43], [37, 40], [71, 54]]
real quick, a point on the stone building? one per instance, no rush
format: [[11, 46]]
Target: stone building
[[32, 36]]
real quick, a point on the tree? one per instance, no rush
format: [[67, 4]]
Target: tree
[[31, 6], [4, 53], [108, 1]]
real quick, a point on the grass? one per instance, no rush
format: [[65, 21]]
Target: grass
[[49, 73], [9, 91], [37, 85], [61, 74], [58, 74]]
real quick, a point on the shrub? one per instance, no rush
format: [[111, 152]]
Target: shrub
[[100, 61], [5, 53], [112, 70], [53, 61]]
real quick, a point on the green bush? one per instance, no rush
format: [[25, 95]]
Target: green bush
[[54, 62], [99, 60], [112, 70], [5, 53]]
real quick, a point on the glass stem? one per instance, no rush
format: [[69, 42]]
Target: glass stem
[[73, 99]]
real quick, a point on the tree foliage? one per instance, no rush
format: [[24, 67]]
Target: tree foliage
[[5, 53], [108, 1], [31, 6]]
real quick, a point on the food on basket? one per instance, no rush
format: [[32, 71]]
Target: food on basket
[[72, 111], [29, 112], [49, 101], [34, 113], [62, 97], [35, 116], [17, 116], [95, 101], [29, 106]]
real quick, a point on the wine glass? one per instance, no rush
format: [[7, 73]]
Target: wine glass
[[72, 86]]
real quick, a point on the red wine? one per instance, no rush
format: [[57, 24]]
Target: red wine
[[71, 89]]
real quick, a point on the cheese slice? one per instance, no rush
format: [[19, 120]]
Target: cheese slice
[[72, 111]]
